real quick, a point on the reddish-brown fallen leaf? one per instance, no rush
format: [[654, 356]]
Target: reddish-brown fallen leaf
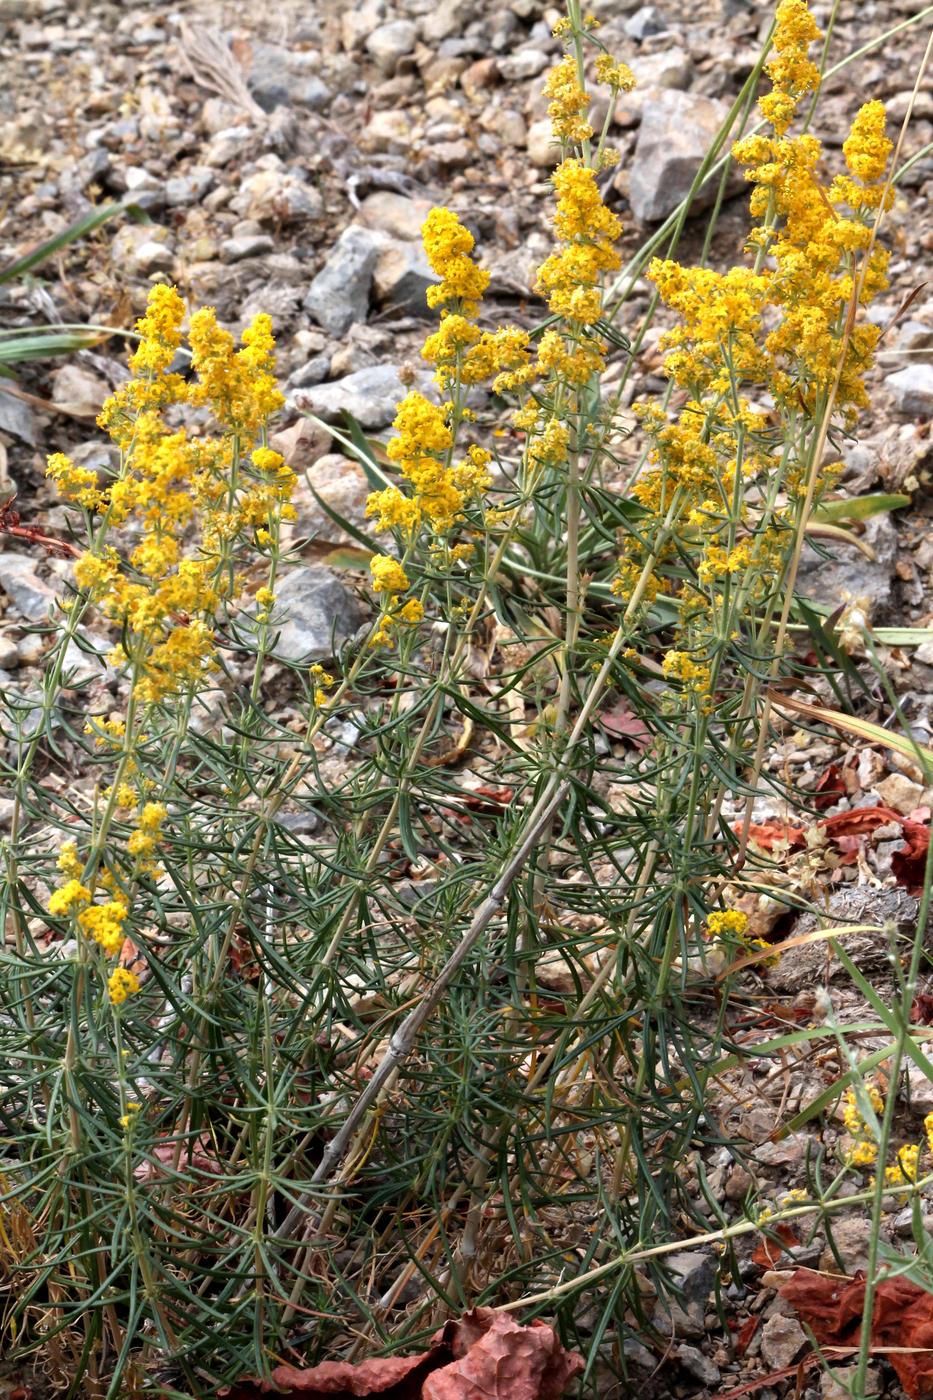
[[830, 788], [745, 1333], [769, 1252], [902, 1318], [621, 723], [922, 1011], [485, 1355], [859, 821], [480, 797], [499, 1359], [198, 1155], [909, 866], [391, 1377], [770, 834]]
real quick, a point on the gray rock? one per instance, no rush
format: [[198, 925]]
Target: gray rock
[[370, 395], [16, 418], [312, 372], [920, 1088], [445, 19], [181, 191], [693, 1274], [814, 964], [395, 214], [645, 22], [76, 390], [402, 277], [523, 64], [318, 614], [247, 245], [697, 1365], [677, 129], [914, 335], [312, 92], [390, 42], [851, 1238], [782, 1339], [301, 443], [913, 390], [277, 196], [228, 145], [142, 249], [837, 1384], [30, 596], [847, 575], [9, 654], [339, 294]]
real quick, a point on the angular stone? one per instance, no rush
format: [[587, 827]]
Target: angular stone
[[339, 294], [782, 1340], [677, 129], [851, 1238], [390, 42], [645, 22], [78, 391], [318, 614], [370, 395], [30, 596], [542, 149], [523, 64], [402, 277], [248, 245], [276, 196], [387, 133], [693, 1274], [181, 191], [913, 390], [394, 214], [837, 1384], [16, 418], [341, 485], [301, 444], [846, 575], [697, 1365]]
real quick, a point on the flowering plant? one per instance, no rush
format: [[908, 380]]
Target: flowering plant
[[321, 1011]]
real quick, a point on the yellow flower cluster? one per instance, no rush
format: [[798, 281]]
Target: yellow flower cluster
[[778, 330], [571, 278], [569, 103], [423, 447], [388, 574], [121, 984], [163, 602], [864, 1151], [723, 921], [695, 675], [448, 246], [187, 502]]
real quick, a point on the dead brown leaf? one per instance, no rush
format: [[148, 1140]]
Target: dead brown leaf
[[484, 1355]]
